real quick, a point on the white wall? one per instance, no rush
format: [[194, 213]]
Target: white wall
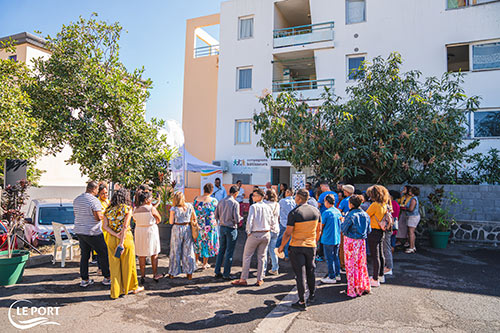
[[58, 173], [419, 30]]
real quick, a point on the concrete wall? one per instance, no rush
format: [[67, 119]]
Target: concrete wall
[[419, 30], [477, 202], [200, 98]]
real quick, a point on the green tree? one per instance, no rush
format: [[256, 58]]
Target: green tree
[[84, 96], [18, 129], [393, 127]]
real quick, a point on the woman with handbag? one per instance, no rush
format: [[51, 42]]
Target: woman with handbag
[[207, 243], [121, 248], [377, 211], [184, 227]]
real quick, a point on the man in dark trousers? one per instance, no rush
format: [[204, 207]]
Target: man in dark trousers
[[304, 228], [228, 215]]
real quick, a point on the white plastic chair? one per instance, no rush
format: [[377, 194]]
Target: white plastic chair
[[64, 244]]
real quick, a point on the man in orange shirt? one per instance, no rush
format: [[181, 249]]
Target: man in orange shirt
[[304, 228]]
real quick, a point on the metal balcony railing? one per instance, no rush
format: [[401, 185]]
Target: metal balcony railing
[[279, 85], [206, 51], [303, 34]]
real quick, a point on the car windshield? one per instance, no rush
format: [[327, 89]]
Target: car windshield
[[63, 215]]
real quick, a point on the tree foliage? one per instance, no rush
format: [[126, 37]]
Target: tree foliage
[[392, 127], [18, 129], [84, 96]]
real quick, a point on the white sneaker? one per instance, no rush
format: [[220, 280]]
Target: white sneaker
[[381, 279], [338, 278], [388, 272], [85, 284], [327, 280], [106, 282]]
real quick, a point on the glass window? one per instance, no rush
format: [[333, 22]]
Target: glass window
[[486, 124], [355, 11], [464, 3], [458, 58], [246, 28], [486, 56], [243, 128], [353, 64], [13, 57], [63, 215], [244, 78]]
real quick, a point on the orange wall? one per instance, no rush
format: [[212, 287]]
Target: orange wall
[[199, 110], [20, 52]]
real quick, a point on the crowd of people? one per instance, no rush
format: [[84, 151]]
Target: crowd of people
[[342, 227]]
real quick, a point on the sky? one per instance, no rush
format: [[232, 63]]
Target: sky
[[154, 37]]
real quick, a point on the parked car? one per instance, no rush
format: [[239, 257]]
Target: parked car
[[41, 213]]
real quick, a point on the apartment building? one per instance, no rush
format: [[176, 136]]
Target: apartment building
[[59, 180], [305, 45]]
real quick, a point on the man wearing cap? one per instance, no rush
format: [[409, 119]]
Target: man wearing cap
[[344, 209], [344, 204]]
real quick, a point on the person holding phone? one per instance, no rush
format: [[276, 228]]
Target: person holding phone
[[121, 248]]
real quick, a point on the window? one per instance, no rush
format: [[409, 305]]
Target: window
[[353, 67], [245, 27], [13, 57], [458, 58], [465, 3], [245, 178], [487, 124], [242, 132], [355, 11], [60, 214], [474, 56], [244, 78], [486, 56]]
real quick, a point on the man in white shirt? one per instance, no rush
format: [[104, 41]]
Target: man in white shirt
[[258, 230], [219, 191]]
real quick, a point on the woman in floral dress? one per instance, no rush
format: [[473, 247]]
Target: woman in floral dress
[[207, 244]]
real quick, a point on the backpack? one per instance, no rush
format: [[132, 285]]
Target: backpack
[[387, 221]]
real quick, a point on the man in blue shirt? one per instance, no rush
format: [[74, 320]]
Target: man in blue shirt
[[325, 190], [219, 191], [344, 204], [330, 239], [287, 204]]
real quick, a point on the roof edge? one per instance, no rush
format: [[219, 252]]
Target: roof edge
[[26, 37]]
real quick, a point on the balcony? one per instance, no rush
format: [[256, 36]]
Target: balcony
[[306, 90], [305, 34], [206, 51]]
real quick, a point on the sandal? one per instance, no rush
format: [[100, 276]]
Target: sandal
[[412, 250], [158, 277], [138, 290], [239, 283], [259, 283]]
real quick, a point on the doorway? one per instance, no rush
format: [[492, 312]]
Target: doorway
[[280, 175]]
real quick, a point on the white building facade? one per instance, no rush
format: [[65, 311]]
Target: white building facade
[[308, 44]]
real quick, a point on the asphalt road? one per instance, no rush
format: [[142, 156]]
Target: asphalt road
[[456, 289]]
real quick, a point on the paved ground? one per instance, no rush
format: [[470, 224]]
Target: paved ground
[[456, 289]]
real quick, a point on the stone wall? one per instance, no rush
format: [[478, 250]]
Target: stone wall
[[477, 214]]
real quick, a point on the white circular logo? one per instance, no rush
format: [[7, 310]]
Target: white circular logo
[[32, 311]]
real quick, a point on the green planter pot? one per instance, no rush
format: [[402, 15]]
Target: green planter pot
[[11, 269], [439, 239]]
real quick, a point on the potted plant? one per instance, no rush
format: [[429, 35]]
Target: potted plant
[[12, 261], [438, 217]]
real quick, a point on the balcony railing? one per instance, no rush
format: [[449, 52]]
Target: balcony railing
[[205, 51], [279, 86], [304, 34]]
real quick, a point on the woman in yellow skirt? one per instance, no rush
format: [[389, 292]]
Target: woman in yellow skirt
[[117, 223]]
